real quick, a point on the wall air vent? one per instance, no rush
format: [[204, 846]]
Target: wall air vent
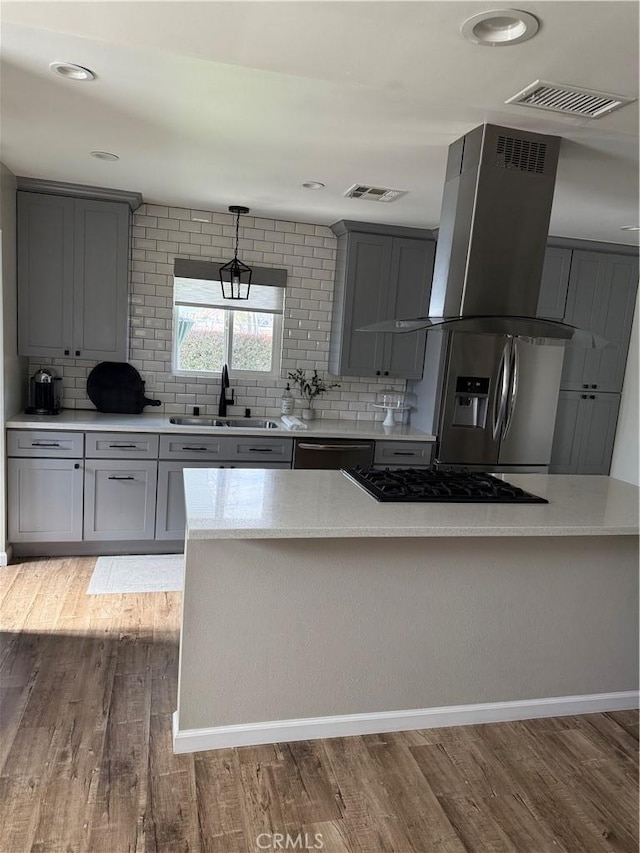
[[523, 154], [374, 193], [571, 100]]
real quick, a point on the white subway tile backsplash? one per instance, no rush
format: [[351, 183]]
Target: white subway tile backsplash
[[159, 234], [157, 210], [140, 220], [179, 213]]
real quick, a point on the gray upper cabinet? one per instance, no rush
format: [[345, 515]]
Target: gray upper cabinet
[[382, 273], [73, 261], [555, 283], [601, 298]]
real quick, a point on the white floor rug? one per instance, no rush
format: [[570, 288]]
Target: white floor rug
[[135, 573]]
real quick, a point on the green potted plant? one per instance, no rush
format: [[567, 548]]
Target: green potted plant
[[310, 389]]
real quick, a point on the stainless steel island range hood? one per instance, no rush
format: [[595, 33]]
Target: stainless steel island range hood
[[492, 239]]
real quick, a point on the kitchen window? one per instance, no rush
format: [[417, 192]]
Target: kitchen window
[[209, 330]]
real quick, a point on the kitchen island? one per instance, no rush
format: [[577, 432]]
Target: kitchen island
[[311, 610]]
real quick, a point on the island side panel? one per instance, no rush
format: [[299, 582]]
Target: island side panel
[[285, 629]]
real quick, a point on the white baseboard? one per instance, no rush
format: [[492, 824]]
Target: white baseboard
[[5, 557], [251, 734]]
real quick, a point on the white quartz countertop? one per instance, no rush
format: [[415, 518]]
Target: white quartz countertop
[[274, 504], [91, 421]]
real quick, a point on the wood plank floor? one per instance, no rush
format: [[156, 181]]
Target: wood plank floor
[[88, 686]]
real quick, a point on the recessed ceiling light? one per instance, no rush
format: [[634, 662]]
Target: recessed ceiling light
[[71, 71], [313, 185], [104, 155], [630, 228], [500, 27]]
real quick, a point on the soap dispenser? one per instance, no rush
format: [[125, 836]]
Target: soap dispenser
[[286, 401]]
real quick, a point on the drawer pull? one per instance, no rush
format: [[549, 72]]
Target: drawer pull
[[45, 444], [124, 446], [122, 478], [261, 449], [189, 447], [404, 453]]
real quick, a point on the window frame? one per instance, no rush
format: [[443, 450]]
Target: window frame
[[276, 348]]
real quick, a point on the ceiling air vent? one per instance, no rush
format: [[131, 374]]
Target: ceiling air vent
[[568, 99], [374, 193]]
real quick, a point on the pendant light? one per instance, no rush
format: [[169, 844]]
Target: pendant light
[[235, 277]]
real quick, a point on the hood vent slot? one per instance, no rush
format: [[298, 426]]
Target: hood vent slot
[[523, 154], [369, 193], [571, 100]]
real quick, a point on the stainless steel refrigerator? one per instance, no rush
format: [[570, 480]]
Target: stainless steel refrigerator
[[498, 403]]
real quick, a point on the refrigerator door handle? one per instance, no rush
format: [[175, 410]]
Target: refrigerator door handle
[[500, 400], [514, 374]]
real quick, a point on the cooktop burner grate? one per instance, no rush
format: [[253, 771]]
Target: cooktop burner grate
[[429, 484]]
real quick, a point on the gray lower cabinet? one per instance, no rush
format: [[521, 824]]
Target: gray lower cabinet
[[73, 262], [170, 510], [45, 500], [584, 433], [178, 452], [119, 499], [402, 454]]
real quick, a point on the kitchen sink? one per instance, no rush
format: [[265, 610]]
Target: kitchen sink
[[235, 423]]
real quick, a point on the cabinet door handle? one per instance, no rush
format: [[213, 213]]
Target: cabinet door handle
[[592, 396], [77, 352], [45, 444], [585, 386], [67, 352], [377, 373], [124, 446], [583, 396], [188, 447], [386, 373], [122, 478], [594, 386], [77, 465]]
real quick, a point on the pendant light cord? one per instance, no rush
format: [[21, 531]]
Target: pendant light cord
[[237, 237]]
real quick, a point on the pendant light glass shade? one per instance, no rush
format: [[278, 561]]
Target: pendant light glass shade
[[235, 277]]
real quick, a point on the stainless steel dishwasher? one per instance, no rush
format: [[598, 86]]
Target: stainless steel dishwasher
[[332, 453]]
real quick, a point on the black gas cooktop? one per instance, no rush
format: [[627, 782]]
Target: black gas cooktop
[[429, 484]]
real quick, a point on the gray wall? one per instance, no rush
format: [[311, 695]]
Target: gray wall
[[290, 629], [14, 368]]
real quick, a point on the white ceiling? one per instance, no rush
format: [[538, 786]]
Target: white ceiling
[[216, 103]]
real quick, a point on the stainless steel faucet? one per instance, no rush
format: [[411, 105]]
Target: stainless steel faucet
[[224, 400]]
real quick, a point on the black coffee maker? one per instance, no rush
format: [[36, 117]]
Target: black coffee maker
[[44, 393]]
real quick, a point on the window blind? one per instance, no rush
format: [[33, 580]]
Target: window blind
[[196, 283], [208, 294]]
